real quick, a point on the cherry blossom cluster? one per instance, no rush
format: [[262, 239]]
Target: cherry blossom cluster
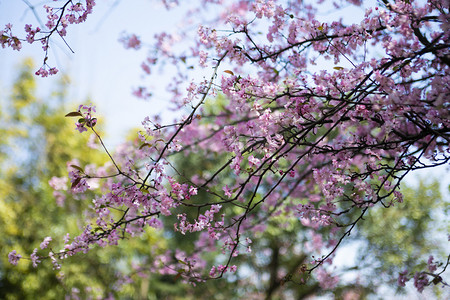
[[86, 117], [131, 42], [422, 278], [58, 19], [8, 39], [201, 223]]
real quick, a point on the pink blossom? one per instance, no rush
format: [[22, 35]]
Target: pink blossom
[[45, 243], [253, 162], [54, 260], [13, 257], [203, 56], [420, 281], [213, 271], [58, 183], [326, 281], [227, 191], [192, 191], [431, 266], [35, 258], [131, 42], [53, 71], [402, 279], [60, 198], [42, 72]]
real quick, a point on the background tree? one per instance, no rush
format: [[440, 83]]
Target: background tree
[[416, 231], [273, 268], [37, 143]]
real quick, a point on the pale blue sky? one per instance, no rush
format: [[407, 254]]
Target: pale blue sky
[[100, 68]]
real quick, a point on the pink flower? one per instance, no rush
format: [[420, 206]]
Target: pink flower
[[253, 161], [56, 265], [227, 191], [402, 279], [203, 57], [66, 238], [45, 243], [431, 266], [42, 72], [53, 71], [58, 183], [326, 281], [192, 191], [420, 281], [80, 127], [59, 197], [34, 258], [13, 257], [131, 42]]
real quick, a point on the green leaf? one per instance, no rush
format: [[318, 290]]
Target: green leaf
[[144, 190], [178, 275], [144, 145], [74, 114], [338, 68], [92, 122], [74, 184], [78, 168]]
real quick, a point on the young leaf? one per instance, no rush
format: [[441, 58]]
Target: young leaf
[[144, 190], [91, 123], [74, 184], [74, 114], [78, 168], [180, 271], [144, 145]]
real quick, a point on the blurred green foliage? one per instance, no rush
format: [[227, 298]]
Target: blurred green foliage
[[403, 236], [36, 144]]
